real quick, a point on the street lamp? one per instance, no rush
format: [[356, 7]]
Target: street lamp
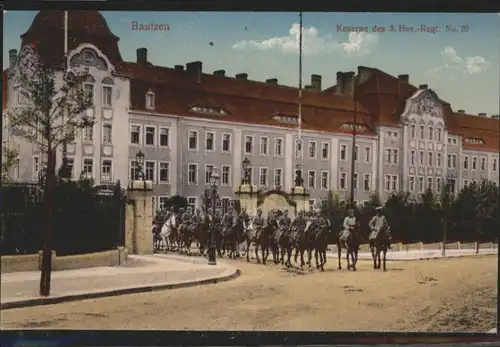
[[139, 161], [214, 182], [445, 205], [246, 173]]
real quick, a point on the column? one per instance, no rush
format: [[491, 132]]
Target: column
[[142, 237]]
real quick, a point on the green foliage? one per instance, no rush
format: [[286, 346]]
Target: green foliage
[[10, 159]]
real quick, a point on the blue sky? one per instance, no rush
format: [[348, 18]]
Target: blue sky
[[462, 67]]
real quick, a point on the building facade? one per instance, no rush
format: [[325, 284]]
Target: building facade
[[188, 122]]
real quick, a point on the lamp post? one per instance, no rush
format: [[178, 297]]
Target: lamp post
[[214, 182], [445, 205], [139, 161], [246, 171]]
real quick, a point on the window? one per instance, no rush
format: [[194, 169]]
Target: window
[[250, 177], [438, 184], [135, 134], [391, 156], [248, 144], [355, 177], [164, 137], [431, 133], [325, 150], [16, 168], [163, 202], [88, 134], [343, 181], [474, 163], [298, 148], [106, 170], [452, 186], [107, 131], [36, 167], [153, 203], [226, 175], [439, 134], [421, 158], [150, 100], [312, 204], [264, 146], [430, 158], [367, 154], [192, 173], [296, 173], [150, 170], [71, 167], [429, 182], [209, 141], [278, 147], [454, 161], [164, 173], [343, 152], [438, 159], [325, 180], [312, 149], [278, 177], [412, 131], [88, 168], [88, 88], [311, 179], [263, 176], [208, 172], [483, 164], [226, 143], [107, 96], [391, 183], [192, 202], [466, 163], [494, 163], [421, 184], [395, 157], [150, 136], [392, 134], [356, 151], [193, 140], [422, 132], [412, 157], [411, 183], [366, 182], [466, 183]]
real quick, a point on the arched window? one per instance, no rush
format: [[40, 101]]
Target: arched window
[[107, 92], [150, 100]]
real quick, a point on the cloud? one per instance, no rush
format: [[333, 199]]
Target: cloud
[[454, 63], [312, 43]]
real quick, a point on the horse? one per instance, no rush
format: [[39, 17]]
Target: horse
[[283, 240], [261, 240], [168, 231], [302, 243], [201, 233], [379, 242], [233, 237], [156, 237], [187, 235], [273, 239], [320, 245], [351, 244]]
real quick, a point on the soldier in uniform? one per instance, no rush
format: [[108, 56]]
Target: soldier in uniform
[[298, 225], [350, 224], [227, 221], [258, 222], [379, 224], [244, 217], [196, 218], [186, 217], [284, 221]]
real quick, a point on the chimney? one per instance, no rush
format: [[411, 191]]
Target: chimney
[[482, 114], [12, 58], [349, 82], [364, 73], [241, 76], [220, 73], [195, 68], [272, 81], [142, 55], [316, 82], [404, 78], [460, 111], [179, 67], [495, 116], [423, 86], [340, 83]]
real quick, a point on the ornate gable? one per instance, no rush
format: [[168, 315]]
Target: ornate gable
[[425, 105]]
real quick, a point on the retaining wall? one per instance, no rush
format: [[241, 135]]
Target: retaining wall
[[33, 262]]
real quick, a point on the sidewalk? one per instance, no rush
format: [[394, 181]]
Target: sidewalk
[[421, 255], [139, 274]]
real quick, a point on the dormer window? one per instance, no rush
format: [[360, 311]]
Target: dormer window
[[359, 127], [150, 100], [474, 141], [288, 119], [209, 110]]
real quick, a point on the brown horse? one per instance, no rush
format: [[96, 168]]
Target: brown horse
[[379, 243], [201, 233], [283, 238], [304, 242], [320, 245], [351, 244], [261, 239]]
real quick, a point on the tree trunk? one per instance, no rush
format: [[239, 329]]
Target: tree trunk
[[445, 231], [47, 245]]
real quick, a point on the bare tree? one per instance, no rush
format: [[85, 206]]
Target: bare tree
[[50, 113]]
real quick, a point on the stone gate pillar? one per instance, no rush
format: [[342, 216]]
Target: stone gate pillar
[[247, 195], [139, 233], [301, 198]]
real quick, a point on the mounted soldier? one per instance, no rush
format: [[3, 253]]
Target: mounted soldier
[[284, 222], [258, 222], [196, 218], [297, 226], [170, 212], [244, 218], [379, 224], [186, 217], [227, 222], [350, 224]]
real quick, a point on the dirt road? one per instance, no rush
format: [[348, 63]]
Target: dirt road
[[434, 295]]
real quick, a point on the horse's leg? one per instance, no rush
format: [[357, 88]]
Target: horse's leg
[[353, 258], [348, 253], [339, 250], [385, 254], [296, 254], [257, 246], [374, 256], [264, 248], [302, 250], [282, 257], [309, 256], [316, 254]]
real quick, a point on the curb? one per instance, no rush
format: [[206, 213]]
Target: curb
[[116, 292]]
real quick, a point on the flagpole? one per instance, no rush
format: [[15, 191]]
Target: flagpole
[[65, 67], [299, 118]]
